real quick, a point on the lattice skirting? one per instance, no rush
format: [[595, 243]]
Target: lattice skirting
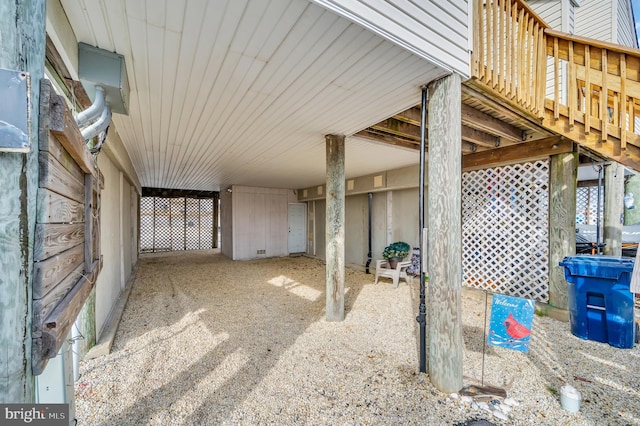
[[505, 222], [174, 224]]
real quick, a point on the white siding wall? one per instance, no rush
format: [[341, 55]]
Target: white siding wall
[[259, 222], [436, 31], [108, 282], [226, 223], [119, 211], [626, 32], [572, 17], [594, 19], [549, 10]]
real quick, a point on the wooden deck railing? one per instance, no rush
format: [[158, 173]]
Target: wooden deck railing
[[509, 54], [538, 70], [603, 85]]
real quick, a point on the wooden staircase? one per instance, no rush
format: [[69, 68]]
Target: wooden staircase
[[583, 89]]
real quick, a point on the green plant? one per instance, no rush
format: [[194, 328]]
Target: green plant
[[398, 249]]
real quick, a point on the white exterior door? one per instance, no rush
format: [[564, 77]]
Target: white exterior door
[[297, 228]]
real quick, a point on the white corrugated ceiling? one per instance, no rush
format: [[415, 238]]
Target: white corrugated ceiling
[[243, 91]]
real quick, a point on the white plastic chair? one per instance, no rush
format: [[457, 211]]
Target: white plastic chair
[[383, 269]]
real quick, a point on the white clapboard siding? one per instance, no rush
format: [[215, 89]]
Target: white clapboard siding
[[260, 222], [551, 13], [626, 35], [437, 31], [594, 19]]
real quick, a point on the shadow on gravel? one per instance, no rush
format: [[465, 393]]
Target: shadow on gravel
[[260, 307]]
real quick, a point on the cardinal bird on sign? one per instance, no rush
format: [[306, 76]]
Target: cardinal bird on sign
[[515, 329]]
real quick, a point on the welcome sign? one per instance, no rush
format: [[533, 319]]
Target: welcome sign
[[510, 324]]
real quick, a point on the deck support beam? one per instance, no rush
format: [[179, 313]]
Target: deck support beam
[[335, 228], [613, 209], [22, 31], [562, 222], [445, 234]]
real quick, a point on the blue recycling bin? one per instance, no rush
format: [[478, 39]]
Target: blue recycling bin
[[600, 303]]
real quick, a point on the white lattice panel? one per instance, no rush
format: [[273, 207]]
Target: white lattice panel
[[587, 205], [582, 205], [505, 222], [173, 224]]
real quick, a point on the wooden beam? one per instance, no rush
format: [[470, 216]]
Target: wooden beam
[[479, 120], [445, 234], [472, 118], [517, 153], [479, 138], [613, 209], [562, 222], [335, 226], [630, 157], [387, 139], [58, 323], [64, 127]]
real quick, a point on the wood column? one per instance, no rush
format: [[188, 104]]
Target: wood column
[[562, 222], [613, 209], [22, 31], [445, 234], [216, 212], [335, 227]]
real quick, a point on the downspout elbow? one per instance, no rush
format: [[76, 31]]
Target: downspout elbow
[[97, 127], [88, 115]]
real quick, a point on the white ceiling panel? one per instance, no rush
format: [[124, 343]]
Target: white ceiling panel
[[243, 92]]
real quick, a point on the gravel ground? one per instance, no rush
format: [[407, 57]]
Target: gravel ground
[[204, 340]]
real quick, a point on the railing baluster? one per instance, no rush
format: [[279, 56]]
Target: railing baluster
[[515, 48], [604, 98], [501, 41], [587, 89], [528, 81], [496, 45], [521, 52], [477, 38], [534, 68], [623, 101], [572, 86], [489, 62], [509, 48], [556, 80], [542, 72]]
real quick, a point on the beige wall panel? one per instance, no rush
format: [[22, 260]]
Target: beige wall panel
[[108, 282]]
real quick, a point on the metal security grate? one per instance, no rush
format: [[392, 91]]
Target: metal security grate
[[174, 224], [505, 216]]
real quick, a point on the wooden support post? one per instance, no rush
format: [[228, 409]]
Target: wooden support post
[[562, 222], [445, 234], [613, 209], [335, 227], [216, 203], [22, 31]]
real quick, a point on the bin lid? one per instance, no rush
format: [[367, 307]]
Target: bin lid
[[608, 267]]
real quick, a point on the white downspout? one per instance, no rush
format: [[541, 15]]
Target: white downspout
[[88, 115], [102, 123]]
